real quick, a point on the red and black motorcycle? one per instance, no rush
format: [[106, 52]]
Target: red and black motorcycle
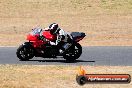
[[42, 48]]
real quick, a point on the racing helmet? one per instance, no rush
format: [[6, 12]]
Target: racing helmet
[[53, 28]]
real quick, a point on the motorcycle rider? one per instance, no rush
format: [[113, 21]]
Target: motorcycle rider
[[62, 37]]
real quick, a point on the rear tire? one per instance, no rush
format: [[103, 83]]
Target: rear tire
[[24, 53], [73, 53]]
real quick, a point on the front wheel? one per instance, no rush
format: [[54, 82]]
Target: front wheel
[[73, 53], [25, 53]]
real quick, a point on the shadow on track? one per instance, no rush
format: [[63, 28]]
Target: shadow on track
[[61, 61]]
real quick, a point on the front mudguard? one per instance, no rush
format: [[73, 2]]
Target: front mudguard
[[30, 44], [27, 44]]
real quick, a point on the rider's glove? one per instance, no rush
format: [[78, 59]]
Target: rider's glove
[[41, 37], [44, 39]]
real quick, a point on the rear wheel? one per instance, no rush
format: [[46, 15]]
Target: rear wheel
[[25, 53], [73, 53]]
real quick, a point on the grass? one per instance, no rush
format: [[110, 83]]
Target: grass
[[105, 22], [43, 76]]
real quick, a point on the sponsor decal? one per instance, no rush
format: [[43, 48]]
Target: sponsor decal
[[83, 78]]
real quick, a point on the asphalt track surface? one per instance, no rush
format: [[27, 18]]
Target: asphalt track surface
[[99, 56]]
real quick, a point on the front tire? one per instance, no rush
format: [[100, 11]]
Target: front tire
[[73, 53], [24, 53]]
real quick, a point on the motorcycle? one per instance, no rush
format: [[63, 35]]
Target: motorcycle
[[36, 47]]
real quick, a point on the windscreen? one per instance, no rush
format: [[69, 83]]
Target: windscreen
[[36, 31]]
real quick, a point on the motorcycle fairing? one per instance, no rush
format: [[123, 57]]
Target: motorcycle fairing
[[49, 36], [77, 36]]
